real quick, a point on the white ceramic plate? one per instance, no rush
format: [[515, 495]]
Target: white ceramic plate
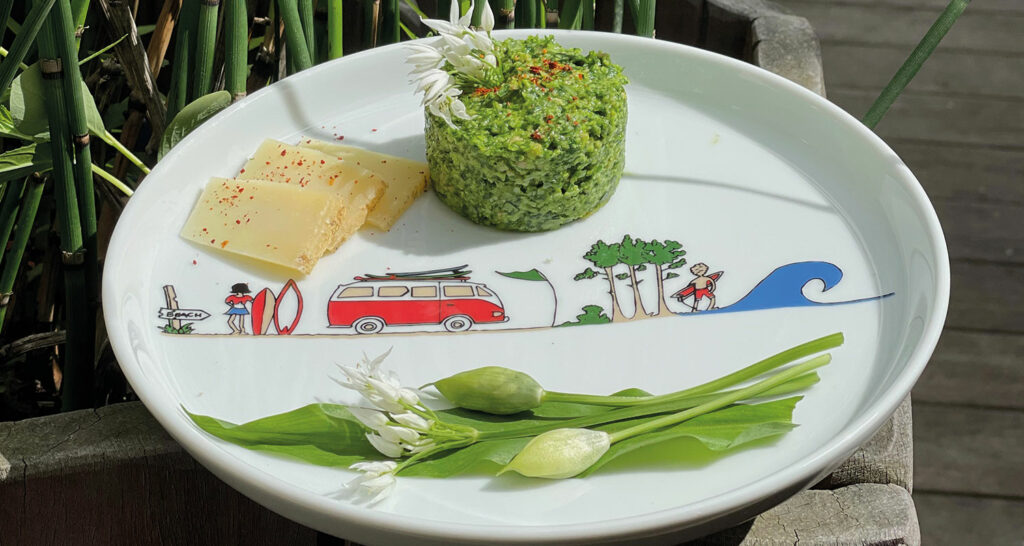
[[811, 217]]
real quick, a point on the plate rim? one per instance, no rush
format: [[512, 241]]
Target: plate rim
[[316, 511]]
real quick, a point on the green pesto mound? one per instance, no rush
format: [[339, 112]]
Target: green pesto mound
[[544, 148]]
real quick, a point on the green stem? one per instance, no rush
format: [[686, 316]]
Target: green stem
[[526, 14], [9, 210], [617, 16], [113, 180], [5, 15], [62, 23], [335, 24], [914, 62], [588, 15], [116, 144], [306, 15], [77, 385], [297, 52], [643, 17], [478, 12], [391, 18], [570, 16], [4, 53], [12, 261], [722, 401], [541, 14], [79, 11], [758, 368], [177, 95], [23, 41], [206, 42], [236, 58]]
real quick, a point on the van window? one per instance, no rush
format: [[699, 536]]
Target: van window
[[481, 291], [458, 291], [392, 291], [356, 292], [424, 291]]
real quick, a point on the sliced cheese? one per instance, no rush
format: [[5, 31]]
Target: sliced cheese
[[277, 223], [406, 179], [360, 189]]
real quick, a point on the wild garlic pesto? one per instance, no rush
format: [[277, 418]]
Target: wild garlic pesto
[[543, 147]]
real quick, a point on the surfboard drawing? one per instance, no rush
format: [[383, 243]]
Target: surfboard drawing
[[263, 311], [688, 290], [290, 288]]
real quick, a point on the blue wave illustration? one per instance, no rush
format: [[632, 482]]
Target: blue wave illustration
[[784, 288]]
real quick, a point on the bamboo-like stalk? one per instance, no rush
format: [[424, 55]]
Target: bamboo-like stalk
[[177, 96], [504, 13], [63, 30], [643, 17], [77, 387], [334, 29], [617, 16], [12, 260], [236, 38], [5, 15], [909, 69], [371, 20], [206, 42], [478, 13], [541, 13], [391, 21], [8, 210], [308, 31], [295, 39], [23, 41], [526, 13], [79, 11]]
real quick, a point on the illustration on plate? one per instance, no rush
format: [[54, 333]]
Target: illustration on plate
[[447, 300]]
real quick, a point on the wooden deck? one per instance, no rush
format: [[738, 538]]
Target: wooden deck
[[960, 128]]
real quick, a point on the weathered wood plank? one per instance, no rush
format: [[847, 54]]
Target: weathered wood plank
[[949, 520], [986, 296], [954, 119], [858, 514], [976, 369], [870, 66], [968, 450], [965, 174], [113, 476], [975, 30], [888, 458], [936, 5], [983, 231]]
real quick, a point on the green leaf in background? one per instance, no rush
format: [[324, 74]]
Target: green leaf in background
[[21, 162], [320, 434], [192, 116], [482, 457], [7, 128], [531, 275], [28, 109], [719, 430]]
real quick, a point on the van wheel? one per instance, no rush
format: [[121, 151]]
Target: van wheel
[[368, 325], [458, 323]]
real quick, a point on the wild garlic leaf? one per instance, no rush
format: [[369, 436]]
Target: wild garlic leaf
[[719, 430], [321, 434], [484, 457]]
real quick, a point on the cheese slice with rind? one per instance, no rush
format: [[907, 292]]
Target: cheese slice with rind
[[359, 188], [281, 224], [406, 179]]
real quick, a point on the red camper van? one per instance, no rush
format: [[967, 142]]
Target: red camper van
[[443, 297]]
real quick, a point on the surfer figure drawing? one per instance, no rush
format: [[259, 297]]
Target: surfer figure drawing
[[237, 311], [702, 286]]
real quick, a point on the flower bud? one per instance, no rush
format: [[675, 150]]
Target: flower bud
[[492, 389], [560, 453]]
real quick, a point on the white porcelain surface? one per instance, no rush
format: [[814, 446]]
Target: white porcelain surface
[[748, 171]]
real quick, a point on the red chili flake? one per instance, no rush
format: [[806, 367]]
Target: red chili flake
[[194, 262], [580, 75], [268, 163], [383, 160], [341, 137], [574, 98], [549, 117], [247, 220], [284, 152], [575, 123], [322, 162], [213, 241], [238, 221], [240, 188], [535, 69], [300, 163], [224, 243], [242, 171], [251, 196], [373, 130], [536, 136], [544, 50]]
